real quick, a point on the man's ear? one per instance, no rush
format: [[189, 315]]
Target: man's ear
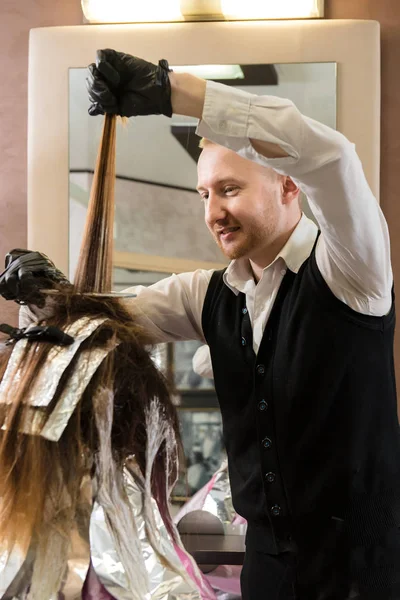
[[290, 191]]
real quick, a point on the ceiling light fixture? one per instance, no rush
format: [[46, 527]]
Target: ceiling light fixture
[[137, 11]]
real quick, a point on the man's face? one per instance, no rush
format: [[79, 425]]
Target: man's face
[[242, 202]]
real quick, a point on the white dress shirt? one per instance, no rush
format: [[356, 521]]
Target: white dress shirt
[[353, 251]]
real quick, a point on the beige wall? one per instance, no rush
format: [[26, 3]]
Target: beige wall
[[17, 18]]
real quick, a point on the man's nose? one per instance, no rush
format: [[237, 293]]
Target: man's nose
[[215, 209]]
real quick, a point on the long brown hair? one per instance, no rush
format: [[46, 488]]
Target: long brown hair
[[40, 480]]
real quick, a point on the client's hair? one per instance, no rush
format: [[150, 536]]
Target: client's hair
[[41, 480]]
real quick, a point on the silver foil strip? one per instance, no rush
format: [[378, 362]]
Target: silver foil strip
[[79, 553], [38, 422], [59, 358], [163, 583], [11, 565], [17, 571], [87, 364], [215, 498], [219, 499]]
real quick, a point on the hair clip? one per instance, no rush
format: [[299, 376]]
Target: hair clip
[[38, 333]]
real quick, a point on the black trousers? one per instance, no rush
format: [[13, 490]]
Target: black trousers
[[319, 571], [269, 577]]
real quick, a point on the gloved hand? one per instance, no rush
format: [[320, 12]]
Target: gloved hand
[[26, 273], [128, 86]]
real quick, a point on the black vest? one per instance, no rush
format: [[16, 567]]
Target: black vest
[[310, 424]]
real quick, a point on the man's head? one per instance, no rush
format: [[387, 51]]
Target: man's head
[[249, 208]]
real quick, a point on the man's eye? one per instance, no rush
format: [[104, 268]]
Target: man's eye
[[204, 196], [229, 189]]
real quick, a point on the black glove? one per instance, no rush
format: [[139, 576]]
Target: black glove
[[26, 273], [121, 84]]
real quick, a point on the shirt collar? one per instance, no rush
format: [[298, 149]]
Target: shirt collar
[[238, 276]]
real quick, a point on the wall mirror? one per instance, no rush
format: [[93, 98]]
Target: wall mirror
[[340, 61], [56, 52], [159, 220]]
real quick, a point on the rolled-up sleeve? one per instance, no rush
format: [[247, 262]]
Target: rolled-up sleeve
[[171, 309]]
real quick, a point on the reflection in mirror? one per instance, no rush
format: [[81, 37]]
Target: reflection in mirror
[[159, 226], [159, 219]]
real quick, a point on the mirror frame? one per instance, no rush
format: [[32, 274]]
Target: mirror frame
[[353, 45]]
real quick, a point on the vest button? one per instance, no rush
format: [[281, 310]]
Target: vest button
[[244, 311], [267, 443], [262, 405], [270, 477], [276, 510], [260, 369], [244, 341]]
